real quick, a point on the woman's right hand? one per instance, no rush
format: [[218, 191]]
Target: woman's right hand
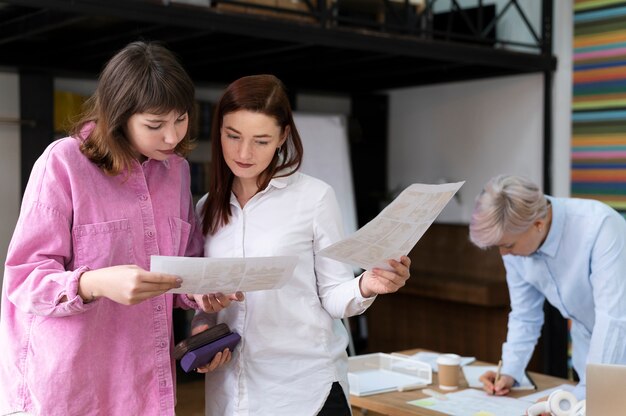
[[126, 284], [501, 387], [220, 359]]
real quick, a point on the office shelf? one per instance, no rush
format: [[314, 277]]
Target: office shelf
[[315, 47]]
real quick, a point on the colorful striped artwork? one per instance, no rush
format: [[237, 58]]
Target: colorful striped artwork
[[599, 102]]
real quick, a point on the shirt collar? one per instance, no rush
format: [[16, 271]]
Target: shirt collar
[[166, 163], [276, 182], [280, 182], [551, 244]]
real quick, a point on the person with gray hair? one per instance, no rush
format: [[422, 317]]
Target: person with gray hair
[[568, 251]]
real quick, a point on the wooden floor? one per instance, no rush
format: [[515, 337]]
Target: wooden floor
[[190, 396]]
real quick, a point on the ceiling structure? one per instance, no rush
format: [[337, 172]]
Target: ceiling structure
[[76, 37]]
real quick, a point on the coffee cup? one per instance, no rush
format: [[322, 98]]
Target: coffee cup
[[449, 366]]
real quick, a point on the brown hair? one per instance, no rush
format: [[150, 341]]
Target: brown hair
[[264, 94], [142, 77]]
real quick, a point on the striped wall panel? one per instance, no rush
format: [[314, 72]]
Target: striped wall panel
[[599, 102]]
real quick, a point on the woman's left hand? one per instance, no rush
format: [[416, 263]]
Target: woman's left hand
[[378, 281], [215, 302]]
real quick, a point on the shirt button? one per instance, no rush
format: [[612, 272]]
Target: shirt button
[[163, 383], [150, 234], [143, 198], [159, 307]]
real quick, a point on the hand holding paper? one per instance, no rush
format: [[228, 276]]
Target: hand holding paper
[[379, 281], [231, 275], [396, 230], [215, 302]]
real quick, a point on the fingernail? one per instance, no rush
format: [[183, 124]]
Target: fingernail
[[179, 280]]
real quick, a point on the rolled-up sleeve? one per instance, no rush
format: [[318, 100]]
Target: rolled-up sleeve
[[36, 275]]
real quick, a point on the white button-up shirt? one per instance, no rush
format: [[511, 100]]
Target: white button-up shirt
[[581, 270], [293, 344]]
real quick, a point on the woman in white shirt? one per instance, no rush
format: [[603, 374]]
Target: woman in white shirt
[[292, 357]]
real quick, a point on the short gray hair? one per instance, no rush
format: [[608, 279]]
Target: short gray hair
[[507, 204]]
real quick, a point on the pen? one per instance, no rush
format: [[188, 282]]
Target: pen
[[497, 375], [408, 387]]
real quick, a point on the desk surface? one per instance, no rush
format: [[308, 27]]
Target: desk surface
[[395, 403]]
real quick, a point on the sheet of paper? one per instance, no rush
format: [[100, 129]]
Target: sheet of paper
[[472, 402], [365, 383], [532, 398], [397, 228], [472, 374], [431, 359], [209, 275]]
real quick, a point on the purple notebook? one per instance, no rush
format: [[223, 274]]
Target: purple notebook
[[203, 355]]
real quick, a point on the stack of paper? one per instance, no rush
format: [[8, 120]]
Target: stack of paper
[[379, 373]]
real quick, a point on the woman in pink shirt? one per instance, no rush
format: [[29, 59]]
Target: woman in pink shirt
[[85, 329]]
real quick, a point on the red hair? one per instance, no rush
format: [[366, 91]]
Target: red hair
[[264, 94]]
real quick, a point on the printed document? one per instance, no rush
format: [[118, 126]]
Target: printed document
[[226, 275], [396, 230], [472, 402]]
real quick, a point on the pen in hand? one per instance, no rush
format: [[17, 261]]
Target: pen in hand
[[497, 375]]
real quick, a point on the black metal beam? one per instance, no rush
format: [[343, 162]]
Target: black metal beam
[[210, 19], [555, 333], [38, 22], [35, 137]]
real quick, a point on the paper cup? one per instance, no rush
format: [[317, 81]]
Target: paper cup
[[449, 367]]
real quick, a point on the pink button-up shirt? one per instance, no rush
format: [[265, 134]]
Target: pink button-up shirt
[[67, 357]]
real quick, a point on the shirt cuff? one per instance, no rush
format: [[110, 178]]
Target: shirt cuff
[[74, 302], [182, 301], [363, 301], [516, 373], [580, 391]]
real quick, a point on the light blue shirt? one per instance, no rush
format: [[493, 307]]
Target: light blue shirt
[[581, 270]]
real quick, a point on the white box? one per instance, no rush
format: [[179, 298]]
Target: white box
[[380, 373]]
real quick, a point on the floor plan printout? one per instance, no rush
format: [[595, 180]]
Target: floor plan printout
[[211, 275], [471, 402], [396, 230]]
